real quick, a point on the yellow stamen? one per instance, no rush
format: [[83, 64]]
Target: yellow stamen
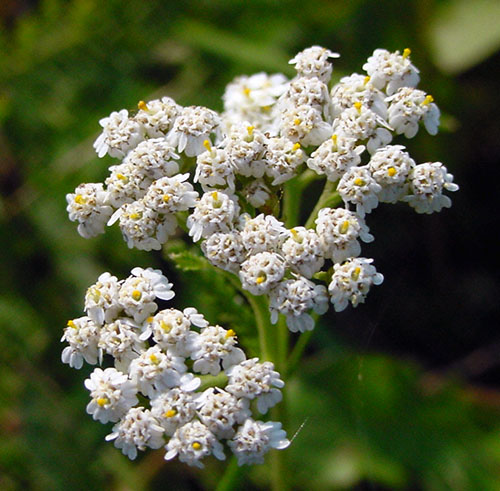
[[297, 121], [296, 147], [154, 359], [250, 130], [80, 199], [391, 171], [355, 273], [166, 327], [215, 195], [266, 108], [166, 198], [246, 91], [71, 324], [207, 145], [260, 279], [170, 413], [196, 445], [135, 216], [149, 319], [334, 139], [406, 52], [230, 333], [358, 105], [366, 79], [121, 177], [102, 401], [142, 105], [359, 182], [344, 227], [136, 295], [428, 100]]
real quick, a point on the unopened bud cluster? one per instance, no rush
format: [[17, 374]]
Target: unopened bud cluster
[[222, 175]]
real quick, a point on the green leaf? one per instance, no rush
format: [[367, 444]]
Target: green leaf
[[189, 261]]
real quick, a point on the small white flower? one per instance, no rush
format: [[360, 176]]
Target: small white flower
[[216, 211], [304, 124], [219, 411], [261, 272], [138, 429], [257, 193], [305, 91], [335, 156], [255, 438], [156, 370], [313, 62], [407, 107], [101, 299], [225, 250], [390, 71], [157, 116], [351, 282], [427, 182], [213, 346], [82, 335], [120, 134], [174, 408], [251, 379], [358, 187], [390, 167], [89, 207], [283, 157], [214, 168], [171, 194], [126, 183], [262, 233], [193, 126], [303, 252], [192, 442], [142, 227], [112, 393], [294, 298]]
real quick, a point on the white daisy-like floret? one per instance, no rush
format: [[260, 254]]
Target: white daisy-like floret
[[125, 184], [157, 116], [89, 206], [335, 156], [155, 371], [120, 339], [303, 252], [255, 438], [257, 193], [213, 346], [137, 430], [225, 250], [154, 158], [193, 126], [283, 157], [294, 298], [220, 411], [262, 233], [407, 107], [351, 282], [214, 169], [101, 299], [120, 134], [306, 91], [193, 442], [251, 98], [390, 71], [358, 187], [244, 145], [357, 88], [251, 379], [174, 408], [390, 167], [216, 211], [427, 182], [261, 272], [339, 230], [304, 124], [171, 330], [112, 393], [314, 62], [171, 194], [82, 336], [362, 123], [138, 291]]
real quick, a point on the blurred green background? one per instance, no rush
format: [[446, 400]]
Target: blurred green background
[[401, 393]]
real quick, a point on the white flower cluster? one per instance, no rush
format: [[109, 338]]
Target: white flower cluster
[[148, 354], [269, 129]]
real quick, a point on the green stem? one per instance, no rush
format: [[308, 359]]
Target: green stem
[[291, 203], [329, 197], [231, 479], [297, 352]]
